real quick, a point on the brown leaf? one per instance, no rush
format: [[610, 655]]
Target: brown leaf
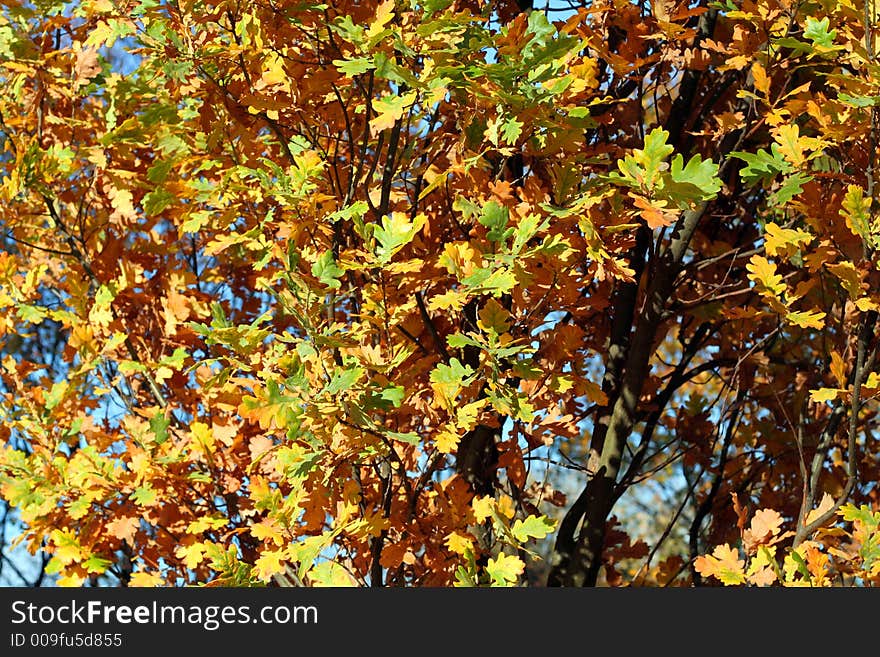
[[742, 514], [87, 66], [763, 577], [124, 528], [824, 505]]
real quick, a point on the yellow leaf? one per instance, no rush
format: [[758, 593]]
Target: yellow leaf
[[145, 580], [585, 76], [505, 569], [838, 368], [763, 273], [762, 570], [765, 524], [100, 315], [654, 212], [192, 554], [506, 506], [268, 564], [493, 317], [384, 14], [561, 384], [594, 392], [807, 319], [206, 523], [736, 63], [865, 304], [762, 82], [483, 507], [268, 528], [389, 110], [163, 373], [849, 278], [451, 300], [273, 71], [99, 6], [459, 258], [122, 202], [87, 66], [788, 138], [330, 573], [202, 437], [824, 505], [724, 564], [763, 576], [67, 548], [107, 31], [466, 416], [71, 581], [785, 241], [460, 543], [824, 394], [124, 527], [447, 441]]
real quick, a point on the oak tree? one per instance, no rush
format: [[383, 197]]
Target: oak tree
[[441, 292]]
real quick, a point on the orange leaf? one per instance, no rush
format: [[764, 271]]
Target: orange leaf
[[124, 528]]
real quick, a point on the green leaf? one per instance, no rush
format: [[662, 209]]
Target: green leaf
[[31, 314], [448, 380], [817, 32], [159, 426], [386, 399], [799, 47], [856, 210], [144, 495], [459, 340], [156, 201], [55, 395], [762, 166], [863, 514], [431, 7], [159, 170], [858, 101], [307, 550], [791, 186], [96, 564], [330, 573], [107, 31], [79, 508], [494, 216], [501, 281], [176, 359], [540, 27], [698, 180], [327, 271], [396, 232], [802, 567], [526, 229], [352, 67], [351, 212], [390, 108], [532, 527], [197, 220], [511, 129], [642, 167], [409, 437], [343, 380], [505, 569], [455, 372]]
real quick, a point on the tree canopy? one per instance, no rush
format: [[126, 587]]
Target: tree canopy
[[441, 292]]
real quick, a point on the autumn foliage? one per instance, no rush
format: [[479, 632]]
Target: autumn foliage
[[442, 292]]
